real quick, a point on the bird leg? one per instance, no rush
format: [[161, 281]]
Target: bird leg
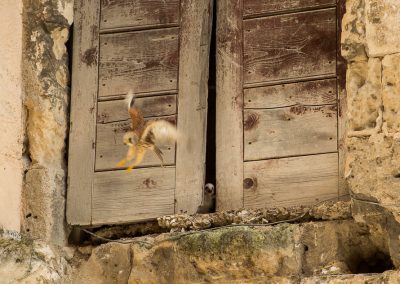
[[159, 154], [139, 157], [129, 156]]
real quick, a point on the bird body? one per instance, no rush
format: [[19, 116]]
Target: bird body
[[145, 136]]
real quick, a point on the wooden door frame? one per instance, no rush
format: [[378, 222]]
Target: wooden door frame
[[84, 91]]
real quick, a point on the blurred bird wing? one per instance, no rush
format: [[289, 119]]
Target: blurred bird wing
[[160, 132]]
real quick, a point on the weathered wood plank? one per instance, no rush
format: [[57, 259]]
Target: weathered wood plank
[[265, 7], [342, 103], [290, 181], [111, 111], [296, 45], [144, 61], [128, 13], [291, 131], [81, 157], [195, 38], [229, 105], [121, 197], [110, 148], [305, 93]]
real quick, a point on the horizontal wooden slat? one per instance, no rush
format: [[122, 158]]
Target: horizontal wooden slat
[[260, 7], [111, 111], [128, 13], [144, 61], [306, 93], [290, 181], [120, 197], [290, 46], [110, 148], [291, 131]]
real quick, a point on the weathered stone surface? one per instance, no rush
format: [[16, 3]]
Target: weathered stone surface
[[11, 115], [370, 27], [382, 27], [44, 203], [109, 263], [391, 94], [373, 154], [388, 277], [342, 247], [25, 261], [277, 254], [233, 253], [363, 94], [353, 31], [45, 74]]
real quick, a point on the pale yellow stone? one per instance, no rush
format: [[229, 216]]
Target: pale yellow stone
[[382, 23]]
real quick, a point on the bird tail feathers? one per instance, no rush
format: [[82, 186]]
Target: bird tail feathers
[[130, 99]]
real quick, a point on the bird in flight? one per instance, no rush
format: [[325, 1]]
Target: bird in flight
[[145, 136]]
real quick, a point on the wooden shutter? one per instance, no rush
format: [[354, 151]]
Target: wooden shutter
[[160, 50], [277, 106]]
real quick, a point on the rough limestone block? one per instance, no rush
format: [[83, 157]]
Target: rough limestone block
[[382, 24], [43, 205], [363, 94], [353, 31], [278, 254], [109, 263], [391, 93], [371, 170], [45, 78], [25, 261], [224, 254]]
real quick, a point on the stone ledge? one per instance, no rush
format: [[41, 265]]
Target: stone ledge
[[285, 253]]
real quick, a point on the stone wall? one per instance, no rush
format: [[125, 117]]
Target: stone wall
[[322, 252], [371, 45], [11, 115], [46, 80]]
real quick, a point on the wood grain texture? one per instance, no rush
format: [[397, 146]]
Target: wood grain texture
[[112, 111], [195, 38], [143, 61], [291, 131], [290, 181], [265, 7], [138, 13], [342, 102], [81, 157], [296, 45], [305, 93], [110, 148], [229, 105], [143, 194]]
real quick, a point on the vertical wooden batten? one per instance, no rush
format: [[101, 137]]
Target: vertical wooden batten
[[83, 112], [195, 38], [229, 105], [341, 69]]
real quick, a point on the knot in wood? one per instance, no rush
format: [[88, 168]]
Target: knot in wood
[[248, 183], [251, 121]]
